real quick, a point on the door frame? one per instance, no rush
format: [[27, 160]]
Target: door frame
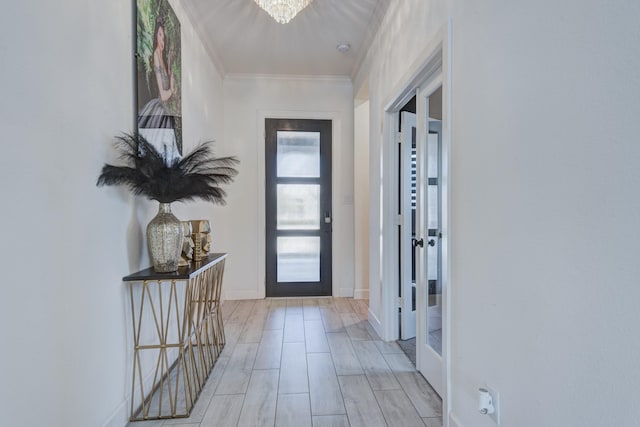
[[432, 62], [261, 226]]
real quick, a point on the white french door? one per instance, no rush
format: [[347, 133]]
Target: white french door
[[407, 210], [430, 335]]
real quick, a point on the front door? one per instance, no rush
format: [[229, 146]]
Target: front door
[[298, 207]]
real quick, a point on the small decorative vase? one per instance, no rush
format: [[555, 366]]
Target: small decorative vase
[[165, 237]]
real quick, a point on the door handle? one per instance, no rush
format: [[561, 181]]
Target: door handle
[[420, 242], [327, 218]]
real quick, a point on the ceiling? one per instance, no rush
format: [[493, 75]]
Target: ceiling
[[243, 39]]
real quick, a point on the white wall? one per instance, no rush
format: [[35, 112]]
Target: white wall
[[67, 89], [361, 198], [546, 205], [248, 100], [544, 225], [406, 29]]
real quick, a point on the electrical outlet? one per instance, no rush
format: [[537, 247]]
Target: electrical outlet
[[495, 396]]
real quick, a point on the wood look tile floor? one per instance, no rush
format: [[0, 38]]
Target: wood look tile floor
[[312, 362]]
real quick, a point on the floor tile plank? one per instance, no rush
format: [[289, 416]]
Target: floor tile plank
[[355, 327], [293, 370], [344, 356], [372, 332], [293, 410], [424, 398], [294, 307], [279, 302], [242, 311], [399, 362], [331, 319], [360, 402], [330, 421], [262, 306], [315, 338], [375, 367], [238, 371], [397, 409], [200, 408], [388, 347], [269, 350], [293, 328], [310, 309], [224, 410], [252, 331], [433, 422], [360, 308], [275, 319], [231, 334], [228, 307], [326, 398], [150, 423], [182, 425], [259, 408], [343, 305]]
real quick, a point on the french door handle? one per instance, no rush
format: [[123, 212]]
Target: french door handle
[[417, 243]]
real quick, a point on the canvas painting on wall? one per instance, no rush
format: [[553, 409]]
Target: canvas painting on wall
[[159, 71]]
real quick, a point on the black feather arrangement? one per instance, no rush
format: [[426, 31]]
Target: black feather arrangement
[[197, 175]]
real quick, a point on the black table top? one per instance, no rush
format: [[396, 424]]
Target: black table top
[[183, 273]]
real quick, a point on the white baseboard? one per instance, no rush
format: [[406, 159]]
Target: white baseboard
[[375, 322], [236, 295], [453, 420], [361, 294], [343, 292], [120, 416], [337, 292]]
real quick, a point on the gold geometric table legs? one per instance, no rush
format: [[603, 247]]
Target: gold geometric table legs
[[177, 335]]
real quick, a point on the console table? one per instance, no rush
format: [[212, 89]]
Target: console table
[[177, 336]]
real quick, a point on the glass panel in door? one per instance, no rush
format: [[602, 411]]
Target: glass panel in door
[[298, 154], [298, 206], [298, 259], [434, 291], [407, 210], [430, 337]]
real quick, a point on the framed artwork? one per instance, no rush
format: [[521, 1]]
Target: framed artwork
[[159, 76]]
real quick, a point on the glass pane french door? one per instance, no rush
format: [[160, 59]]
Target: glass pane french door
[[430, 337], [298, 207], [407, 238]]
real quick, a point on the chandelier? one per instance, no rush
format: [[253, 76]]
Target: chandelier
[[283, 11]]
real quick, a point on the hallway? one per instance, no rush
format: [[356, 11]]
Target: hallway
[[349, 377]]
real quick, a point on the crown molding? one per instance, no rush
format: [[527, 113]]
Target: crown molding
[[289, 77], [372, 30]]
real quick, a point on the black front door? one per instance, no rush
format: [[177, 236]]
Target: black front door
[[298, 207]]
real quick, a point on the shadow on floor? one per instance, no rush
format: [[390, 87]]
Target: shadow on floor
[[409, 348]]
